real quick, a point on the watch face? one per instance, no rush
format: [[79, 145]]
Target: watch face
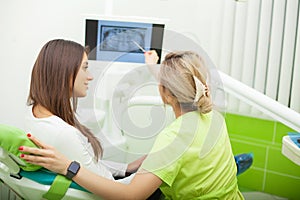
[[74, 167]]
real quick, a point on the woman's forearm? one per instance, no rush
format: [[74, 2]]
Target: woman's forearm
[[141, 187], [100, 186]]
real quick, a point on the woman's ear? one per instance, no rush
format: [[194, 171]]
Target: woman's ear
[[162, 92], [165, 94]]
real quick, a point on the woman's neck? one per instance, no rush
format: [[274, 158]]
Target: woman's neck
[[40, 111], [177, 110]]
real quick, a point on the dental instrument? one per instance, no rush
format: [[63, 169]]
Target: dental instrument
[[139, 46]]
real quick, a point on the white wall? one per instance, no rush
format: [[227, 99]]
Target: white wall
[[27, 25]]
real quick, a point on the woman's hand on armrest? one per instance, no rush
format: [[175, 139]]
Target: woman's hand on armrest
[[45, 156]]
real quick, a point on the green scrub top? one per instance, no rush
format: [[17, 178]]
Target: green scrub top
[[194, 159]]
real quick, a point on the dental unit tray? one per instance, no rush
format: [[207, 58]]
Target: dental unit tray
[[291, 147]]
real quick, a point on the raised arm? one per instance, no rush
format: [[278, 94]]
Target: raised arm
[[151, 59], [141, 187]]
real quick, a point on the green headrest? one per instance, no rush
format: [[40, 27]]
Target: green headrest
[[11, 138]]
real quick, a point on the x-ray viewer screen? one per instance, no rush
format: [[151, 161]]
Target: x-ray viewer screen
[[115, 38], [122, 41]]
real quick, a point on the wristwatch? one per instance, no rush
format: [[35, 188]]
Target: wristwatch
[[72, 169]]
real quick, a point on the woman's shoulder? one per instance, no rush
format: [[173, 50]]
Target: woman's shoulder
[[53, 124]]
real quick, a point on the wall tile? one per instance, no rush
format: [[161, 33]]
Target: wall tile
[[259, 151], [271, 172], [250, 127], [279, 163], [283, 186], [281, 130], [252, 178]]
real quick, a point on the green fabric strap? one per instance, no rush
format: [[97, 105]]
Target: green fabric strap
[[58, 188]]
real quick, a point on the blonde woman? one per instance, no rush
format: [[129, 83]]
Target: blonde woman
[[190, 159]]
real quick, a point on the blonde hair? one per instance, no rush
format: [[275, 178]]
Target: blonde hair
[[178, 73]]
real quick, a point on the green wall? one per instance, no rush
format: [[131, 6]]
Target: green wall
[[271, 172]]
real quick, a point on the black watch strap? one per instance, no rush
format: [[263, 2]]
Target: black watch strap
[[72, 169]]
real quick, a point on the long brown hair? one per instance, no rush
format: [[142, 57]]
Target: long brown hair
[[52, 82]]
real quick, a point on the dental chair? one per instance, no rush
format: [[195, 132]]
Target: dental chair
[[32, 185], [22, 181]]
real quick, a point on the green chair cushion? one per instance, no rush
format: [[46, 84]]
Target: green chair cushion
[[11, 138]]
